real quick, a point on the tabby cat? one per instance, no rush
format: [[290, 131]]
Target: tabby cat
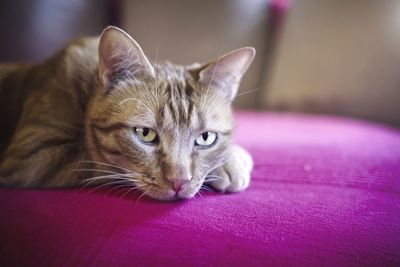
[[99, 112]]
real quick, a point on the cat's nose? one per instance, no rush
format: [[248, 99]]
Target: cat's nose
[[178, 184]]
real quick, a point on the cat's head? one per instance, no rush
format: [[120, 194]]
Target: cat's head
[[165, 126]]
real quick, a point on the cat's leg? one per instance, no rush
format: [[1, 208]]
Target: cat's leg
[[44, 168], [38, 156], [234, 175]]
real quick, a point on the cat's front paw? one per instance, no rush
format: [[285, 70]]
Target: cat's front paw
[[234, 175]]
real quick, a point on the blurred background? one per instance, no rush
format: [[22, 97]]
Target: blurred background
[[318, 56]]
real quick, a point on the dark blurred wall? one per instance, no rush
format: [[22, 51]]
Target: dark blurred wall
[[183, 31], [33, 30]]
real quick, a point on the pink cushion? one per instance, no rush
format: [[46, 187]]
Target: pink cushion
[[325, 192]]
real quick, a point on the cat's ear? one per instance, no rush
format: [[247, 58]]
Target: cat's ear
[[121, 57], [227, 71]]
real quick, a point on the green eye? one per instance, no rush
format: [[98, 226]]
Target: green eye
[[146, 135], [206, 139]]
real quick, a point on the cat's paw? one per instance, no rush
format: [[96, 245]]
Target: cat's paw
[[234, 175]]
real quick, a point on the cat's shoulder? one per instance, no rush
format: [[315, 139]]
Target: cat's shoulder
[[82, 47], [82, 51], [78, 57]]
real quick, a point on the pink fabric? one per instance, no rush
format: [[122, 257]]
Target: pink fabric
[[325, 192]]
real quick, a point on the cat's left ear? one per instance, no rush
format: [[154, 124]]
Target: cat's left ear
[[121, 57], [227, 71]]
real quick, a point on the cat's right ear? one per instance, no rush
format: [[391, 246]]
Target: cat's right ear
[[121, 57]]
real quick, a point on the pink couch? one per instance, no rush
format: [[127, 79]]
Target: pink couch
[[325, 191]]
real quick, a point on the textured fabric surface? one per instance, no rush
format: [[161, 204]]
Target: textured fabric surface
[[325, 192]]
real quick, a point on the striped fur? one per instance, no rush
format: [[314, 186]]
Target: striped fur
[[59, 117]]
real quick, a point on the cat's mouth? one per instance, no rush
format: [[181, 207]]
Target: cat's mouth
[[169, 194]]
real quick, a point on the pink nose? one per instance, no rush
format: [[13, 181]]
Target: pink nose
[[178, 184]]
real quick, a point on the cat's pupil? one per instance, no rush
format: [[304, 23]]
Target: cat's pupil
[[146, 131], [205, 136]]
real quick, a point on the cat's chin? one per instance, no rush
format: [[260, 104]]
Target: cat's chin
[[170, 195]]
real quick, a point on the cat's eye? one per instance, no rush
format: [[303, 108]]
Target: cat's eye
[[146, 135], [206, 139]]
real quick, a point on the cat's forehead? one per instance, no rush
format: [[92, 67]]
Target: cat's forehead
[[172, 105], [170, 72]]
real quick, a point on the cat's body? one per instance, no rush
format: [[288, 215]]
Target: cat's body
[[99, 109], [44, 109]]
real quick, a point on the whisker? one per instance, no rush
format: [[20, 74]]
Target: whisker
[[114, 181], [158, 50], [209, 173], [128, 99], [213, 178], [210, 180], [95, 170], [209, 84], [149, 100], [120, 186], [87, 182], [130, 190], [198, 193], [209, 189], [90, 180], [125, 185], [103, 185], [119, 177], [110, 176], [247, 92], [107, 164], [141, 195], [136, 81]]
